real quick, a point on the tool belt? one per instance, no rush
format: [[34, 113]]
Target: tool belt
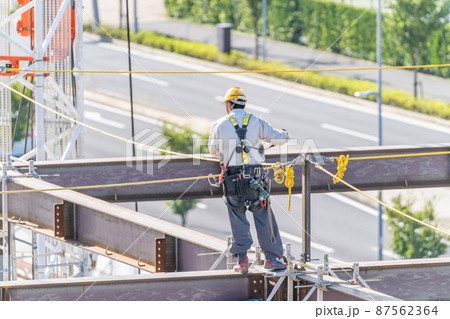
[[249, 182]]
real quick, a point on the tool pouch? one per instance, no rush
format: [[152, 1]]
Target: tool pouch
[[232, 185]]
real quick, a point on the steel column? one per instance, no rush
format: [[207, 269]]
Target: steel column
[[306, 210], [5, 225], [34, 255], [13, 251], [39, 78]]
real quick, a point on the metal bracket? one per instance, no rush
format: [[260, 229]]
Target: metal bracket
[[256, 286], [231, 260], [326, 266], [31, 171], [64, 221], [160, 255], [357, 279]]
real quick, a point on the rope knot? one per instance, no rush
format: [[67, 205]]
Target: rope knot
[[278, 172], [342, 162], [289, 183]]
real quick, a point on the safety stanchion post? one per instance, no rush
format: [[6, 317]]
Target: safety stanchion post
[[306, 210]]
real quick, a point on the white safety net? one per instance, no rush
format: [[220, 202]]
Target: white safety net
[[5, 95]]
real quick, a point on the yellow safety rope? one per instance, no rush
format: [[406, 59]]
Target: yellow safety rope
[[181, 179], [106, 133], [342, 167], [343, 160], [278, 172], [234, 71], [289, 183], [398, 155], [380, 202]]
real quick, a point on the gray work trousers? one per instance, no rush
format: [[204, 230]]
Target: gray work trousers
[[269, 241]]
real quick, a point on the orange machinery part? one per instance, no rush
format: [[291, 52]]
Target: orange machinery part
[[14, 61], [25, 28]]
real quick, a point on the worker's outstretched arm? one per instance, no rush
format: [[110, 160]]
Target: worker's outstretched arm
[[271, 135]]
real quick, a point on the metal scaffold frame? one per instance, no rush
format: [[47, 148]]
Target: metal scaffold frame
[[57, 41]]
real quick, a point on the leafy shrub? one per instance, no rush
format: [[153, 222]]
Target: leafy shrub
[[318, 24], [411, 239]]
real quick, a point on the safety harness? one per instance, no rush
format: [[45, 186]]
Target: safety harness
[[241, 133], [245, 188]]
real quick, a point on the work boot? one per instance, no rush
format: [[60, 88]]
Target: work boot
[[242, 266], [274, 264]]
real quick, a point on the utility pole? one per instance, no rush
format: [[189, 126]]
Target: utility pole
[[96, 22], [135, 17], [380, 129]]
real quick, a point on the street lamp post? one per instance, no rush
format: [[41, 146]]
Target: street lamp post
[[366, 94], [380, 129], [264, 28]]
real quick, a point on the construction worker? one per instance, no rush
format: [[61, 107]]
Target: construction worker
[[236, 140]]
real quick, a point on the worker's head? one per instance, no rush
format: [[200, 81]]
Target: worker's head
[[234, 99]]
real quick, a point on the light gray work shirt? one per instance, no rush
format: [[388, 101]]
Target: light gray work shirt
[[223, 138]]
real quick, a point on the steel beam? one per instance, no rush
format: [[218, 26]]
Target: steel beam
[[225, 285], [108, 229], [374, 174]]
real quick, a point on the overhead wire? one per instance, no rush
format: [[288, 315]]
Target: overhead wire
[[234, 71]]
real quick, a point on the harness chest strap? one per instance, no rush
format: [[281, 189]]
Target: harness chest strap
[[241, 133]]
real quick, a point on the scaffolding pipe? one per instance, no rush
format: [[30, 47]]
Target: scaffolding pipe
[[5, 227], [306, 210]]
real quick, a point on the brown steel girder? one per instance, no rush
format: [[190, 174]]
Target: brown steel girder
[[372, 174]]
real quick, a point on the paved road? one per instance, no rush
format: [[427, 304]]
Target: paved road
[[152, 17], [345, 228]]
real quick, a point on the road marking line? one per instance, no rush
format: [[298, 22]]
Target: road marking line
[[147, 78], [112, 109], [201, 206], [356, 204], [348, 132], [297, 239], [97, 117], [248, 106], [293, 91]]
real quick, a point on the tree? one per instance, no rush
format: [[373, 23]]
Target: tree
[[409, 238], [21, 119], [181, 140], [415, 22]]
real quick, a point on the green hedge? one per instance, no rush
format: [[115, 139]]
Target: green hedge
[[237, 58], [318, 24]]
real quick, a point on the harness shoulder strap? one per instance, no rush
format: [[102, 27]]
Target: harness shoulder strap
[[233, 121], [246, 120], [241, 133]]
